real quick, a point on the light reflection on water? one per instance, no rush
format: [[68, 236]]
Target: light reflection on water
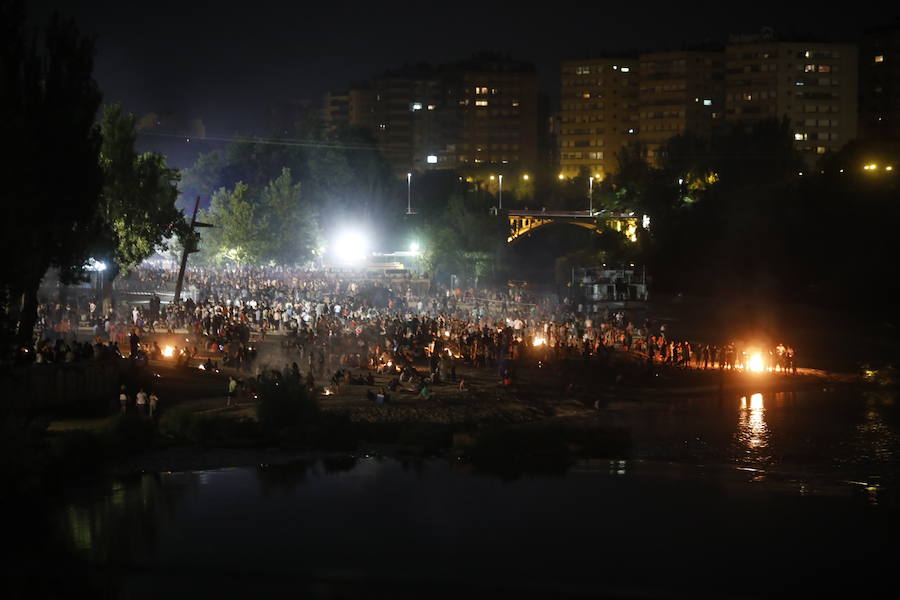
[[753, 433]]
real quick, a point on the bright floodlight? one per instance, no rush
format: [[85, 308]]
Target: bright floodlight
[[95, 265], [414, 247], [351, 247]]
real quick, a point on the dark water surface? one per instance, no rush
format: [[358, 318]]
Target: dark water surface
[[788, 495]]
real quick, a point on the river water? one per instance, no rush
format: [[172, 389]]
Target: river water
[[753, 496]]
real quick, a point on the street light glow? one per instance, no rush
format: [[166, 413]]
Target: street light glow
[[351, 247]]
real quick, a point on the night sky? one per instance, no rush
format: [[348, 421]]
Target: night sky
[[225, 62]]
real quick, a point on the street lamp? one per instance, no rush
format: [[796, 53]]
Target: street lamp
[[591, 195], [409, 194], [500, 198]]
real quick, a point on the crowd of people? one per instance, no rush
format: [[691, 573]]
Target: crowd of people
[[329, 324]]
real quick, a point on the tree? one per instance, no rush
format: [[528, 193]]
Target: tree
[[289, 224], [47, 115], [236, 234], [139, 193]]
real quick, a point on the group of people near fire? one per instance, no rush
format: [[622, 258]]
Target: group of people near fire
[[325, 321]]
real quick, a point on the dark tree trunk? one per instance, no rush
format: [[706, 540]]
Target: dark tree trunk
[[28, 316]]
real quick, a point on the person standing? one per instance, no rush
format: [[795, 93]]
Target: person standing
[[230, 390], [123, 400], [154, 405], [141, 402]]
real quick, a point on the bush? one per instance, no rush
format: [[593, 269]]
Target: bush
[[184, 425], [131, 433], [285, 405], [178, 423]]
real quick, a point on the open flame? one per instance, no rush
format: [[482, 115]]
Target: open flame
[[538, 341], [755, 363], [168, 351]]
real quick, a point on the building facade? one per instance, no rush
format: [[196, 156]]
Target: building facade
[[598, 114], [350, 108], [480, 111], [879, 85], [813, 85], [679, 92]]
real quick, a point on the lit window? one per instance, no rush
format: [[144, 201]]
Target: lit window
[[415, 106], [707, 102], [431, 159], [800, 136], [431, 107], [582, 70], [515, 103], [481, 90], [625, 69], [879, 58], [586, 95], [820, 149], [481, 103]]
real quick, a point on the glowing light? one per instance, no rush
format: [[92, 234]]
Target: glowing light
[[168, 351], [756, 402], [755, 363], [525, 176], [414, 247], [561, 176], [351, 247], [538, 341], [95, 265]]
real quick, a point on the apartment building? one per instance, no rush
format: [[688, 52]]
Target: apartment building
[[598, 114], [814, 85], [879, 83], [679, 92]]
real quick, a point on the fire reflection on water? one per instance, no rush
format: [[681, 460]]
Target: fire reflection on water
[[753, 433]]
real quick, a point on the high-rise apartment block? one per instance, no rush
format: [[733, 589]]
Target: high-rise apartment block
[[814, 85], [606, 104], [879, 83], [480, 111], [680, 92], [351, 108], [598, 114]]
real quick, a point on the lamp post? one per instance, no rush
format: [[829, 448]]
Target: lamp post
[[409, 194], [591, 195], [500, 196]]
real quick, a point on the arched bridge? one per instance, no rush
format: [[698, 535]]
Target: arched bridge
[[522, 222]]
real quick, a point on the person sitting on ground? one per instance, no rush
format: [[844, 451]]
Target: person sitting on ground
[[394, 384], [462, 385], [370, 379], [370, 395]]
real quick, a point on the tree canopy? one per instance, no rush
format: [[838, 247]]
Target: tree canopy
[[139, 193], [272, 224]]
